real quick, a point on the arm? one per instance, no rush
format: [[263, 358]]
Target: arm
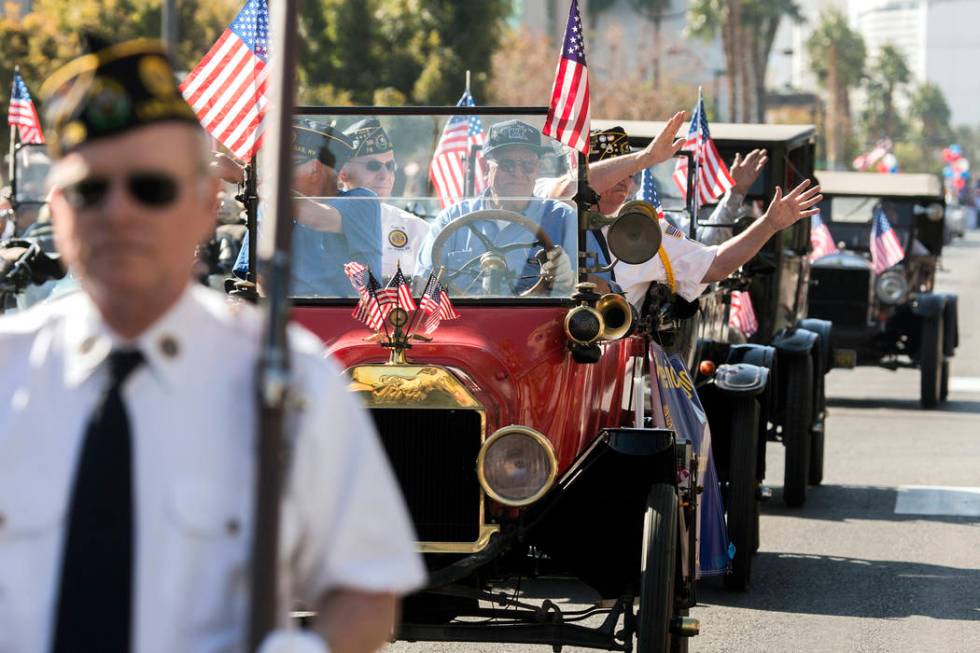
[[353, 621], [605, 174], [782, 212]]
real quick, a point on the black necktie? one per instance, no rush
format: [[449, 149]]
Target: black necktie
[[95, 593]]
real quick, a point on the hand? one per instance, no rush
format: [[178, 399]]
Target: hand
[[746, 171], [227, 168], [558, 268], [785, 210], [293, 641], [665, 145]]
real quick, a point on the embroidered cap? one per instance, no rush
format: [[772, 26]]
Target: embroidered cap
[[368, 137], [608, 143]]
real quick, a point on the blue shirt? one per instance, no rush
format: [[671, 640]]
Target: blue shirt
[[319, 256], [558, 220]]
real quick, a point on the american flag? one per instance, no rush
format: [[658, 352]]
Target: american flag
[[227, 88], [22, 112], [372, 308], [435, 305], [403, 291], [886, 250], [569, 120], [358, 275], [711, 176], [449, 162], [648, 190], [821, 240], [742, 315]]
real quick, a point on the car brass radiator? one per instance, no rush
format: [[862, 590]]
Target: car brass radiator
[[840, 295]]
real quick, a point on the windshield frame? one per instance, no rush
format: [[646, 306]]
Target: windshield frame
[[447, 111]]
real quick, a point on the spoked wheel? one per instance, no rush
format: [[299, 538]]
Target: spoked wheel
[[741, 507], [657, 569], [797, 427], [931, 361]]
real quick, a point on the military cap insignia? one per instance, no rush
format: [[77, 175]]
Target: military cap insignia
[[157, 76], [397, 238], [368, 137], [608, 143], [108, 105]]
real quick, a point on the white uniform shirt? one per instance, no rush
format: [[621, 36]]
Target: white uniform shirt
[[192, 418], [689, 259], [402, 234]]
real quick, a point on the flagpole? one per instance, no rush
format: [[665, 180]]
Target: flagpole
[[469, 183], [12, 166]]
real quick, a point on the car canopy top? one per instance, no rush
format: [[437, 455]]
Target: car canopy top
[[759, 135], [873, 184]]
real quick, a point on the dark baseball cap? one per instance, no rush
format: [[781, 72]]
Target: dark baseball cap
[[512, 133], [314, 140]]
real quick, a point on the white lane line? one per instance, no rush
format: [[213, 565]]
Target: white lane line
[[964, 384], [938, 500]]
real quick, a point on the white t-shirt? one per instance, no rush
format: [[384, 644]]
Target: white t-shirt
[[402, 234], [193, 425]]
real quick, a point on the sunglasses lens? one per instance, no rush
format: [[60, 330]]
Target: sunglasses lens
[[153, 189], [87, 192], [375, 166]]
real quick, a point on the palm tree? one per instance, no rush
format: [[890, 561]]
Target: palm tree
[[887, 75], [837, 55]]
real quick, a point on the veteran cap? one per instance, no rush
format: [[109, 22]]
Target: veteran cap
[[113, 89], [368, 137], [608, 143], [314, 140], [514, 132]]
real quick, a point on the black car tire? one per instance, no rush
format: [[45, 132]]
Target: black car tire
[[741, 508], [797, 429], [657, 570], [817, 434], [931, 361], [944, 383]]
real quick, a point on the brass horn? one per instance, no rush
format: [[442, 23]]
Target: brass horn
[[617, 316]]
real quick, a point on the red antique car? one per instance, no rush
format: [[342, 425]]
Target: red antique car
[[527, 434]]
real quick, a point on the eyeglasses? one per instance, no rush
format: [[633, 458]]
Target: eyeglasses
[[373, 165], [510, 165], [154, 190]]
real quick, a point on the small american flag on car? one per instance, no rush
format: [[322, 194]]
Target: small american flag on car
[[569, 120], [227, 88], [821, 239], [373, 307], [742, 314], [22, 113], [886, 250], [461, 136], [711, 176]]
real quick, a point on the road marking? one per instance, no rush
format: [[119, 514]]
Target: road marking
[[938, 500], [964, 384]]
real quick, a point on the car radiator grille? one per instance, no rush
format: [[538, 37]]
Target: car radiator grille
[[841, 296], [433, 453]]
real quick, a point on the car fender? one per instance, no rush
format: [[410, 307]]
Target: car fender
[[951, 325], [795, 342], [742, 379], [823, 329], [929, 305]]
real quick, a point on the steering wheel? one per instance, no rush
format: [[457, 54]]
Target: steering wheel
[[492, 262]]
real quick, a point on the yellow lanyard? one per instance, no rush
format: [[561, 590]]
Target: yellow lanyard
[[671, 282]]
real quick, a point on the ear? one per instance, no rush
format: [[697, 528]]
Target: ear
[[484, 165]]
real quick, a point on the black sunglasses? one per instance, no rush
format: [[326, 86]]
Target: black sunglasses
[[510, 166], [153, 190], [375, 166]]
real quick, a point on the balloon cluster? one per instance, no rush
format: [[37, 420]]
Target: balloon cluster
[[880, 159], [956, 172]]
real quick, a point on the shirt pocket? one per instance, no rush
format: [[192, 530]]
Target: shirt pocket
[[206, 569]]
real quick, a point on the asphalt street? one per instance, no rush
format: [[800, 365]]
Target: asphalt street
[[885, 555]]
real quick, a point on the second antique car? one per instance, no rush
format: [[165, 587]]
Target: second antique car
[[520, 431], [892, 316]]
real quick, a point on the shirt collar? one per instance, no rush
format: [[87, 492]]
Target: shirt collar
[[88, 339]]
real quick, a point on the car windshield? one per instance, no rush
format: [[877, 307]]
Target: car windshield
[[32, 163], [459, 196], [849, 219]]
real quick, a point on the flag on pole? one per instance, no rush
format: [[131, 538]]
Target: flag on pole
[[358, 275], [886, 250], [227, 88], [742, 314], [373, 307], [648, 191], [569, 120], [444, 310], [821, 240], [22, 113], [402, 291], [711, 176], [449, 161]]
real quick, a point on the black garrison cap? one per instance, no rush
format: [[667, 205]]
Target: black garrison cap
[[608, 143], [314, 140], [368, 137], [113, 89]]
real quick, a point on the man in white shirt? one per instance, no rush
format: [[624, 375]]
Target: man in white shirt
[[372, 165], [127, 430]]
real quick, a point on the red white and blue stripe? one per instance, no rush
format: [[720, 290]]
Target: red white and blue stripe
[[461, 136], [886, 250], [711, 176], [569, 119], [227, 89], [821, 240], [22, 113], [742, 314], [648, 190]]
